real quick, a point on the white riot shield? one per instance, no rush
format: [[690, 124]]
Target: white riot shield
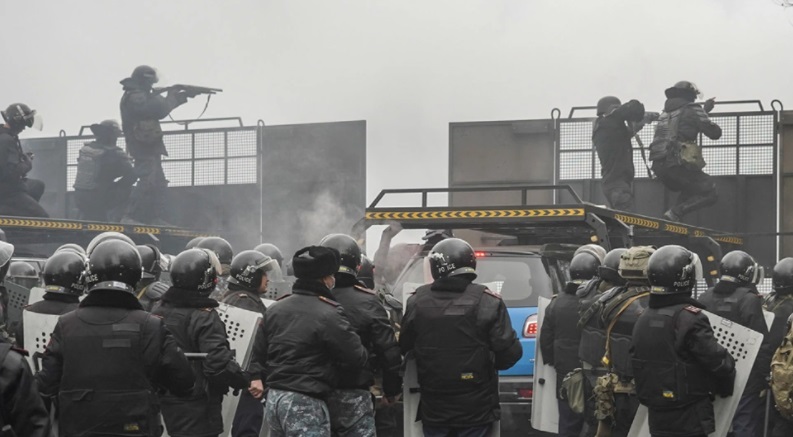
[[544, 408], [18, 298], [743, 344], [36, 295], [411, 392], [38, 330]]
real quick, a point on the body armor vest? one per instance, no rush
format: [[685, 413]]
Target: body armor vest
[[621, 313], [105, 390], [664, 379], [726, 305], [665, 141], [88, 167], [593, 333]]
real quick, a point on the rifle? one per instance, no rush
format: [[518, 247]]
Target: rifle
[[192, 89]]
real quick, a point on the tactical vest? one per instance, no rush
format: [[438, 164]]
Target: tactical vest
[[664, 379], [665, 142], [593, 333], [452, 353], [726, 305], [178, 322], [774, 300], [88, 164], [104, 389], [621, 313]]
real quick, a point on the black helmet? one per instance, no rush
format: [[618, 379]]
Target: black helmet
[[21, 269], [738, 266], [6, 252], [145, 75], [63, 273], [249, 266], [151, 260], [18, 116], [107, 130], [349, 250], [609, 270], [452, 257], [272, 251], [684, 89], [673, 269], [366, 273], [71, 247], [195, 269], [193, 243], [583, 267], [782, 280], [113, 265], [222, 250], [104, 236], [606, 104], [596, 250]]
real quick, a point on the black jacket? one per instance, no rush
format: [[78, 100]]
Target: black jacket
[[612, 140], [461, 335], [196, 327], [22, 407], [141, 112], [370, 321], [693, 120], [309, 340], [678, 366], [106, 361], [14, 164], [53, 303], [782, 307], [250, 300], [744, 306], [560, 335], [102, 166]]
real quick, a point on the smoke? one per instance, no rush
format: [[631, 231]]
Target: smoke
[[326, 215]]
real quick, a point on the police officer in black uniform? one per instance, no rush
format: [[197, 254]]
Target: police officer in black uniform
[[141, 112], [150, 289], [107, 360], [677, 159], [735, 298], [63, 285], [350, 405], [780, 302], [247, 282], [461, 335], [677, 362], [190, 316], [225, 254], [104, 175], [22, 412], [19, 195], [612, 131], [272, 251], [309, 344]]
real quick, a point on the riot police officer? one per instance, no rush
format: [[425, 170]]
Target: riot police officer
[[19, 195], [675, 153], [247, 282], [193, 243], [63, 285], [105, 236], [308, 341], [104, 175], [587, 289], [141, 111], [612, 131], [272, 251], [780, 302], [366, 273], [461, 335], [150, 289], [22, 412], [117, 355], [6, 252], [350, 405], [735, 298], [225, 254], [190, 316], [23, 274], [673, 333]]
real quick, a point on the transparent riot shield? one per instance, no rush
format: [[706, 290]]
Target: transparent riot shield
[[38, 330], [544, 408], [743, 344]]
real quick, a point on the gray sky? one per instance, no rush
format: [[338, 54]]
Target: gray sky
[[408, 67]]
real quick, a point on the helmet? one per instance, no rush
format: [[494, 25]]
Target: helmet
[[609, 270], [19, 116], [738, 266], [63, 273], [104, 236], [107, 130], [452, 257], [222, 250], [71, 247], [145, 75], [193, 243], [633, 262], [606, 104], [349, 250], [673, 269], [783, 275], [6, 252], [22, 269], [249, 266], [598, 251], [195, 269], [583, 267], [366, 272], [152, 261], [272, 251], [113, 265], [683, 89]]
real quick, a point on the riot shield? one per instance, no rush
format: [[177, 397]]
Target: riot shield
[[544, 408], [18, 298], [743, 344], [38, 330], [36, 295]]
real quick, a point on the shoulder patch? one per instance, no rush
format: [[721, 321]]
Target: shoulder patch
[[693, 309], [492, 293], [329, 301], [363, 289]]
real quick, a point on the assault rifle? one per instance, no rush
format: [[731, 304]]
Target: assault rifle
[[191, 89]]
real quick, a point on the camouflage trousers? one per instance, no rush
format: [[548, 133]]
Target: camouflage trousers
[[290, 414], [351, 413]]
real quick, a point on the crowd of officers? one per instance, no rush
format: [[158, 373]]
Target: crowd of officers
[[135, 349], [629, 326]]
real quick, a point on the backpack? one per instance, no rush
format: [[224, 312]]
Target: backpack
[[782, 376]]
